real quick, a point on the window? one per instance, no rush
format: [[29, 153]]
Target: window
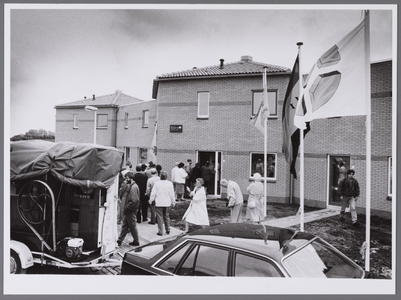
[[75, 121], [171, 263], [205, 261], [126, 121], [258, 166], [143, 155], [390, 176], [257, 97], [248, 266], [203, 105], [102, 121], [127, 151], [145, 118]]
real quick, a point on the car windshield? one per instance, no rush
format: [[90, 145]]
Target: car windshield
[[149, 251], [319, 260]]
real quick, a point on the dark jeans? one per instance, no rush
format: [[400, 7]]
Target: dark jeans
[[129, 223], [142, 213]]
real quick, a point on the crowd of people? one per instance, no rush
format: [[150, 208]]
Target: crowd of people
[[149, 190]]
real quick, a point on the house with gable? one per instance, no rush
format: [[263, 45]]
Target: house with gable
[[115, 120], [204, 114]]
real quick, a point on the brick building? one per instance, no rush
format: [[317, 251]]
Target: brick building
[[204, 114], [122, 121]]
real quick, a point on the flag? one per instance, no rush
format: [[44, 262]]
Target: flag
[[336, 85], [153, 147], [263, 112], [291, 139]]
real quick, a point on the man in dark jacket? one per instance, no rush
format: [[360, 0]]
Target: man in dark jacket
[[349, 191], [130, 210], [141, 180]]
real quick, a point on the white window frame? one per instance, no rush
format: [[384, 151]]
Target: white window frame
[[126, 120], [100, 116], [145, 118], [203, 101], [75, 121], [390, 176], [271, 99], [261, 154]]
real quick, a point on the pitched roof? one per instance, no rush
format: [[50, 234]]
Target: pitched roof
[[245, 66], [116, 99]]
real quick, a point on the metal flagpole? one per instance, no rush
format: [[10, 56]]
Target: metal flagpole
[[301, 148], [368, 139], [265, 144]]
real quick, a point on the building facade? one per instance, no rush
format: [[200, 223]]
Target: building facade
[[115, 120], [204, 115]]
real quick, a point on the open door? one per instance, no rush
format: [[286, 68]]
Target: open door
[[337, 166], [211, 160]]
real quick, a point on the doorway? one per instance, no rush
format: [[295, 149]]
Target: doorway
[[337, 165], [211, 160]]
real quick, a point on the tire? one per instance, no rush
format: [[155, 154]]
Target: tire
[[15, 264]]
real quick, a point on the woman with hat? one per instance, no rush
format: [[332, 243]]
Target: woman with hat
[[254, 208]]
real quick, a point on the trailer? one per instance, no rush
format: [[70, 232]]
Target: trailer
[[63, 209]]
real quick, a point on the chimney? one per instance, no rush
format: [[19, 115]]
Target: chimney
[[93, 97], [246, 58], [221, 63], [85, 97]]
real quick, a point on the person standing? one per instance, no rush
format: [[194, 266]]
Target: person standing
[[188, 182], [122, 196], [207, 176], [342, 171], [196, 173], [197, 210], [349, 191], [173, 171], [180, 177], [141, 180], [235, 199], [259, 168], [149, 186], [130, 210], [254, 208], [163, 196]]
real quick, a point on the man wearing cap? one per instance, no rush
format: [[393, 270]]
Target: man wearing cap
[[349, 191], [235, 199]]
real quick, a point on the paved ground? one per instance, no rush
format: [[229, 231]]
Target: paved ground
[[147, 232]]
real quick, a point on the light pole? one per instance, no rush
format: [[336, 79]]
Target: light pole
[[92, 108]]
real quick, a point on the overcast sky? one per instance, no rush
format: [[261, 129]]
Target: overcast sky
[[61, 55]]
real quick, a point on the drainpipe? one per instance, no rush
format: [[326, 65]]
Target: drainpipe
[[115, 127]]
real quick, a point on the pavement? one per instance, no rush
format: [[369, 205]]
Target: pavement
[[147, 232]]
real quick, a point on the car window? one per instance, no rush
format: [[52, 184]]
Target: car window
[[319, 260], [249, 266], [205, 261], [171, 262]]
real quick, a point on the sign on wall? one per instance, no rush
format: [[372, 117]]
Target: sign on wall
[[175, 128]]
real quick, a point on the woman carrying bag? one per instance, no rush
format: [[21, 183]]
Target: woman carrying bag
[[254, 208], [197, 212]]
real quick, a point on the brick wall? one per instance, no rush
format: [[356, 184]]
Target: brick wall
[[227, 129]]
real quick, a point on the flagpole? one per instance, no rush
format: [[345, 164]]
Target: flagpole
[[368, 140], [301, 148], [265, 144]]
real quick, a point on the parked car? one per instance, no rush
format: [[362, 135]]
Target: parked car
[[241, 249]]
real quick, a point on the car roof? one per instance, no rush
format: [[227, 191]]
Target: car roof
[[262, 239]]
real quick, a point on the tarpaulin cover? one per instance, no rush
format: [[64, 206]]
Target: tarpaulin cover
[[78, 164]]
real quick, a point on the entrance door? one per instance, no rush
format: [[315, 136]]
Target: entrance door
[[337, 165], [211, 160]]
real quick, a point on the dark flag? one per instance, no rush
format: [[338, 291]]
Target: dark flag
[[291, 139]]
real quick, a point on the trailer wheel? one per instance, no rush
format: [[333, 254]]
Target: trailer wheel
[[15, 264]]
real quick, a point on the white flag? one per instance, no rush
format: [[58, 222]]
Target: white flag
[[336, 85], [263, 112]]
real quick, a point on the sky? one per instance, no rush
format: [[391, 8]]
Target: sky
[[57, 54]]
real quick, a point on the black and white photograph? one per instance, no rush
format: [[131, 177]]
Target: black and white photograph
[[200, 149]]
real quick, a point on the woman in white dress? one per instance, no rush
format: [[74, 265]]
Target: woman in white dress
[[254, 208], [197, 211]]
